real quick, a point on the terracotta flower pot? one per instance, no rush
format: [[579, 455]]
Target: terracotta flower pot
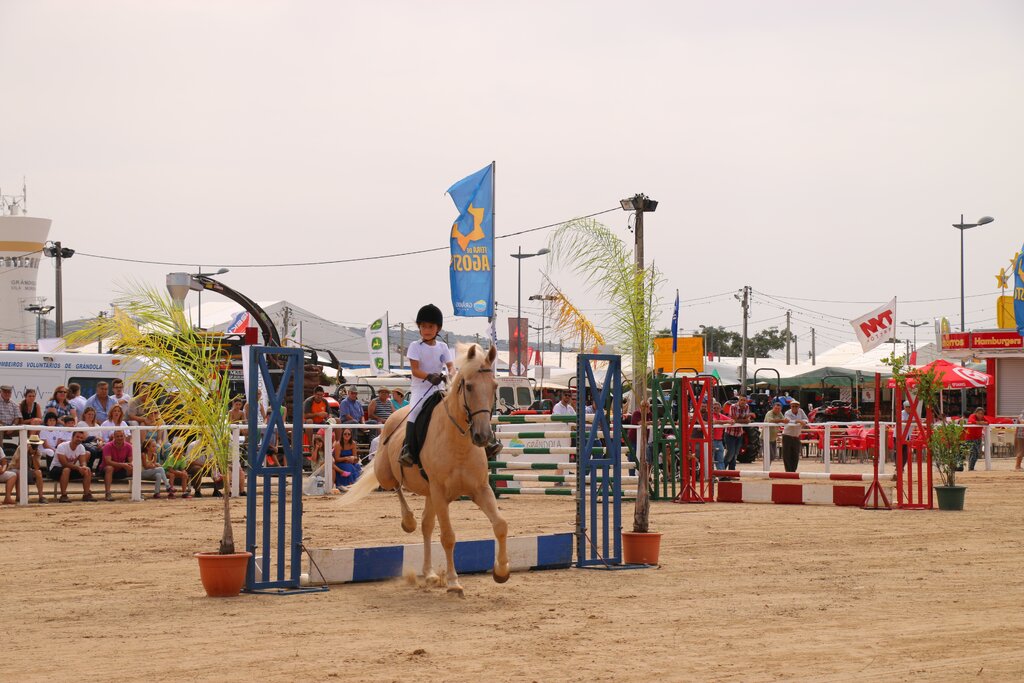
[[223, 575], [640, 548]]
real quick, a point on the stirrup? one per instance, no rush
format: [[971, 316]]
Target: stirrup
[[405, 458]]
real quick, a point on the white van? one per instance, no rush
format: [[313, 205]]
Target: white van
[[514, 393], [46, 371]]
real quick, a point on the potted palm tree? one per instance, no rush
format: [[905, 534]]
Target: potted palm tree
[[607, 264], [949, 450], [184, 369]]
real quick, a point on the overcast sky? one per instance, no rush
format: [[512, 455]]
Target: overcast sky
[[818, 150]]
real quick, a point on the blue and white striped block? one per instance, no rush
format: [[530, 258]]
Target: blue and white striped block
[[347, 565]]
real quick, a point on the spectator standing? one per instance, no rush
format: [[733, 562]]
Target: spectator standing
[[975, 434], [1018, 441], [796, 420], [564, 406], [101, 401], [117, 461], [70, 463], [774, 416], [76, 399], [31, 411], [35, 473], [176, 468], [59, 404], [739, 414], [380, 408], [718, 434], [350, 411]]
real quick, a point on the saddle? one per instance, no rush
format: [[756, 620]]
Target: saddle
[[419, 430]]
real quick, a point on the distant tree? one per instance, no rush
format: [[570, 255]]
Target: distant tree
[[723, 342]]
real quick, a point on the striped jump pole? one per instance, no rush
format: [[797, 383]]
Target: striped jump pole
[[553, 478], [533, 419], [818, 476]]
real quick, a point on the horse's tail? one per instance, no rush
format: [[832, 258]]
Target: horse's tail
[[366, 484]]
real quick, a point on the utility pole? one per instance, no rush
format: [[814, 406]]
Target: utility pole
[[743, 349], [401, 344], [559, 353], [286, 314], [796, 346], [788, 337], [99, 342], [814, 359]]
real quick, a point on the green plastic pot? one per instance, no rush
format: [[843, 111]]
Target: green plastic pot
[[950, 497]]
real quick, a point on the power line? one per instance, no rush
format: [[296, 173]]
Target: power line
[[335, 261], [901, 301]]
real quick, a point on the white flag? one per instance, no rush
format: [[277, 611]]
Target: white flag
[[377, 345], [877, 326], [492, 331]]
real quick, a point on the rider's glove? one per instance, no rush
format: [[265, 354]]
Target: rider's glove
[[434, 378]]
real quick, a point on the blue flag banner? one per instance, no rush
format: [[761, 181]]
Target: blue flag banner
[[1018, 292], [675, 325], [472, 244]]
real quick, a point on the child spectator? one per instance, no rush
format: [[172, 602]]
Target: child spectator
[[152, 471], [176, 468], [50, 435]]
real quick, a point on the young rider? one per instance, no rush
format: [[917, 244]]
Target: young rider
[[427, 358]]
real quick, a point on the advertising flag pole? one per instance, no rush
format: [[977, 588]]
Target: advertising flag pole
[[494, 235]]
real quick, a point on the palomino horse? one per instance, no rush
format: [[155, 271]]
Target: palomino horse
[[454, 460]]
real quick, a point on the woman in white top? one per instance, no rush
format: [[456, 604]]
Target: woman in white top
[[115, 418]]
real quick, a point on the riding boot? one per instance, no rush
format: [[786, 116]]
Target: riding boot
[[406, 458], [493, 448]]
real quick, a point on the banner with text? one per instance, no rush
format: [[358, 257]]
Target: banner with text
[[377, 346], [877, 326], [472, 245]]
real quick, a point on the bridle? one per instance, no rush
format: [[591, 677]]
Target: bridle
[[465, 405]]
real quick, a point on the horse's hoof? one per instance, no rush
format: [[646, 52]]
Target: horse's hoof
[[457, 591], [498, 578], [409, 524], [432, 580]]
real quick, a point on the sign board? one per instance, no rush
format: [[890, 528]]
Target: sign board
[[996, 340], [689, 354], [955, 341]]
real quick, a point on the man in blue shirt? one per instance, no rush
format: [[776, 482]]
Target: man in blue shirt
[[102, 401], [350, 410]]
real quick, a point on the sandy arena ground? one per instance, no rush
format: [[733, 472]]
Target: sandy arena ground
[[110, 591]]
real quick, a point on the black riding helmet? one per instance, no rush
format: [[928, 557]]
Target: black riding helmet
[[430, 314]]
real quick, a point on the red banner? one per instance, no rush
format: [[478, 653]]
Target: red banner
[[518, 338]]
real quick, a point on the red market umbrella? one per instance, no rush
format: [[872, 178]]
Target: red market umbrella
[[953, 376]]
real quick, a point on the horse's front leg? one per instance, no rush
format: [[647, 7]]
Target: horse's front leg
[[485, 501], [447, 540], [429, 575]]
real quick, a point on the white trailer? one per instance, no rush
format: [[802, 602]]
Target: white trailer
[[46, 371]]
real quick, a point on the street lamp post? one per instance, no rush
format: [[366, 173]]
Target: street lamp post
[[543, 299], [58, 253], [39, 311], [961, 226], [519, 303], [199, 308], [915, 325]]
